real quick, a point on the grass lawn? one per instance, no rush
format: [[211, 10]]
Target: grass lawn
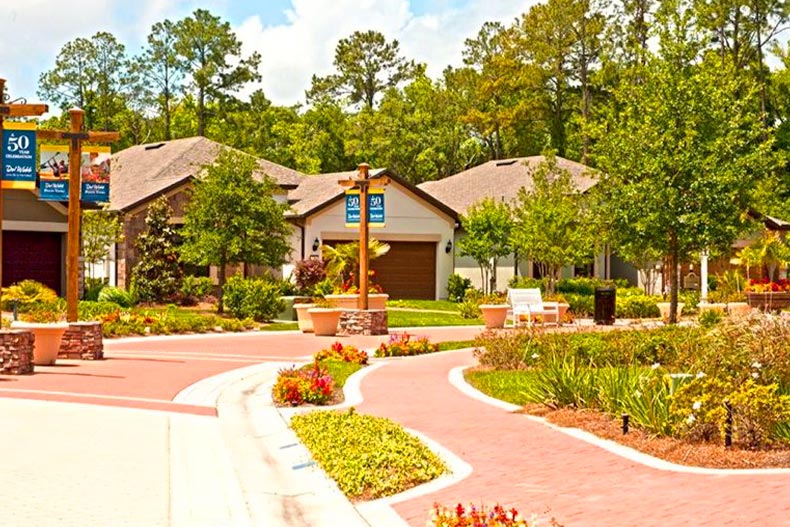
[[340, 371], [406, 319], [279, 326], [455, 345], [435, 305], [509, 385]]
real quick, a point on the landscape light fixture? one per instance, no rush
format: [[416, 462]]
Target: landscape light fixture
[[448, 247]]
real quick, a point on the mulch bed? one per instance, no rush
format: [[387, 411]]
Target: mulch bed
[[669, 449]]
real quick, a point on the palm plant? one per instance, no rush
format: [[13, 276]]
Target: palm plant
[[343, 259]]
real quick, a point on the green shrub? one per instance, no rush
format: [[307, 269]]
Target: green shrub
[[563, 382], [116, 295], [457, 286], [525, 282], [93, 287], [509, 350], [89, 310], [254, 298], [469, 308], [710, 318], [580, 305], [194, 289], [27, 293], [369, 457], [637, 306]]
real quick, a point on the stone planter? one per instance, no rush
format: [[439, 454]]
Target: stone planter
[[770, 301], [494, 315], [562, 308], [663, 307], [325, 320], [47, 339], [351, 301], [303, 317], [738, 309]]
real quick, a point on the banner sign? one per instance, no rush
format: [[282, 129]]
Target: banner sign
[[94, 173], [19, 155], [376, 215]]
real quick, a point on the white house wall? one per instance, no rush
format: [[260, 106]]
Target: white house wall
[[408, 218]]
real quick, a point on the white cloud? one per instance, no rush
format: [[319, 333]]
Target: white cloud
[[293, 52]]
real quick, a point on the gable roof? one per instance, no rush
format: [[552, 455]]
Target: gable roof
[[500, 179], [317, 192], [143, 172]]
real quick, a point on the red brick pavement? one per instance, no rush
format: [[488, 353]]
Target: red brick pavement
[[525, 464], [157, 368]]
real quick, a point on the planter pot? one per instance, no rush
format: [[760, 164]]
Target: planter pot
[[738, 309], [494, 315], [303, 317], [663, 307], [288, 312], [769, 301], [47, 339], [351, 301], [562, 308], [325, 320]]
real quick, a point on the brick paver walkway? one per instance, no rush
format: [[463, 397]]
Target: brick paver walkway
[[522, 463]]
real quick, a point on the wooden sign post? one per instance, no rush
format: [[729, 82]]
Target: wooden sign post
[[12, 110], [76, 136], [363, 183]]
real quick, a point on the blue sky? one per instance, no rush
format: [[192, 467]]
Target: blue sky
[[296, 38]]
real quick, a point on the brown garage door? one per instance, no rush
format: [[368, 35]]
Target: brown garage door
[[32, 255], [408, 270]]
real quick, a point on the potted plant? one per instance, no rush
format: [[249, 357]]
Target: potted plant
[[325, 318], [46, 323], [494, 308], [303, 319]]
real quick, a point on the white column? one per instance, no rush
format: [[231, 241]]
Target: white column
[[703, 265]]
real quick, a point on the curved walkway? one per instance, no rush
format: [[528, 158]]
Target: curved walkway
[[522, 463]]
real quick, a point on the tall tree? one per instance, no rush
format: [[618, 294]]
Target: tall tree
[[88, 74], [681, 181], [211, 55], [487, 226], [157, 276], [553, 222], [163, 72], [233, 218], [366, 65]]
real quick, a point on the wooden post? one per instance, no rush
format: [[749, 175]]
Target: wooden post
[[76, 136], [76, 116], [363, 184]]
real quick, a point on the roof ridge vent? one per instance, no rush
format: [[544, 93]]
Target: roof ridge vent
[[154, 146], [506, 162]]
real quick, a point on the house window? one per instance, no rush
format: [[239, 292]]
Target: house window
[[583, 270]]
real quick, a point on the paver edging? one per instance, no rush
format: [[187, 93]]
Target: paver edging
[[456, 378]]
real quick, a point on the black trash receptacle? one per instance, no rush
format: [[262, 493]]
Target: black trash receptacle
[[604, 305]]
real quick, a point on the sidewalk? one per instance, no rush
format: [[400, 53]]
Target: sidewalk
[[522, 463]]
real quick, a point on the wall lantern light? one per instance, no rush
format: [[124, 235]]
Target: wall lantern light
[[448, 247], [316, 244]]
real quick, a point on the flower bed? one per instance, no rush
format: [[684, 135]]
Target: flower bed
[[474, 516], [403, 344]]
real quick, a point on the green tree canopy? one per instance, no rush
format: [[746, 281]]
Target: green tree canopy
[[366, 65], [555, 222], [487, 225], [233, 218], [100, 229], [157, 276], [681, 150]]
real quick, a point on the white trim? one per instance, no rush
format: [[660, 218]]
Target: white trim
[[35, 226]]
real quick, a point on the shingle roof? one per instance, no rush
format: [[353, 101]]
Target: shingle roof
[[142, 172], [316, 192], [501, 180]]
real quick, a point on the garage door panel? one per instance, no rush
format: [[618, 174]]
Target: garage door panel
[[32, 255], [408, 270]]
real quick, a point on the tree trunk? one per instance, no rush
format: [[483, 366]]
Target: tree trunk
[[673, 282], [221, 277], [201, 110]]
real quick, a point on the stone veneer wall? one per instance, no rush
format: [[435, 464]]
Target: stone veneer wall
[[83, 340], [357, 322], [16, 352]]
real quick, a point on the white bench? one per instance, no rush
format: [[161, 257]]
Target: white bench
[[527, 303]]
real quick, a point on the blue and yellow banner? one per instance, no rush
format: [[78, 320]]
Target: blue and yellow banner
[[376, 216], [94, 173], [19, 155]]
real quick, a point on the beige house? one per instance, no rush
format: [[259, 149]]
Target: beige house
[[502, 180], [143, 173], [419, 229]]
